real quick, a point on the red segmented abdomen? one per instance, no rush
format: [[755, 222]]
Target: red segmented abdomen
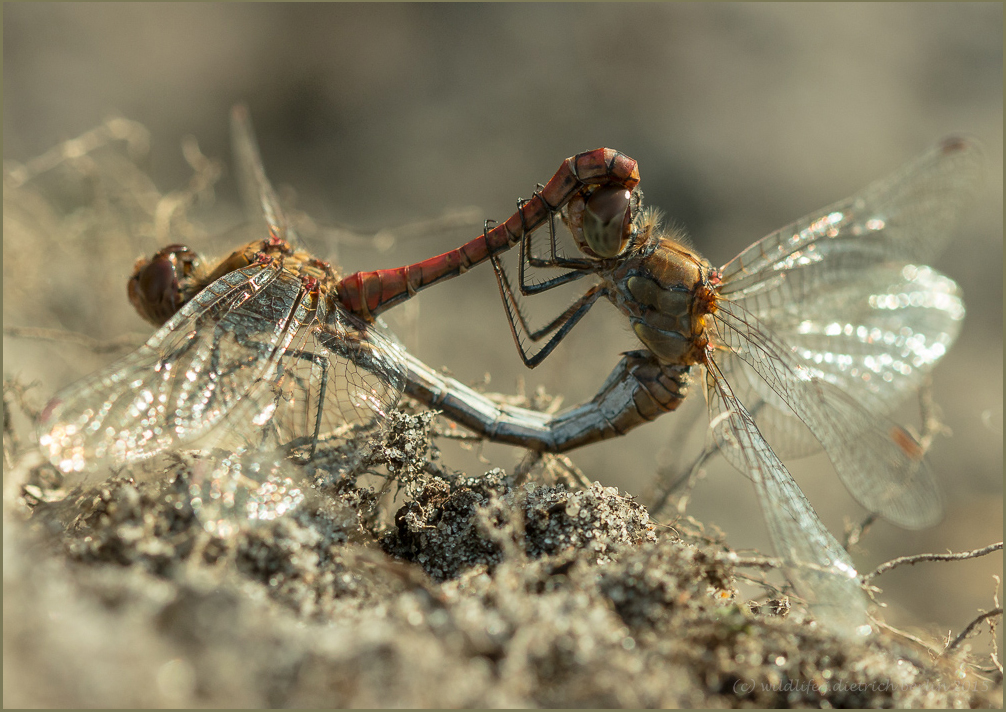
[[367, 294]]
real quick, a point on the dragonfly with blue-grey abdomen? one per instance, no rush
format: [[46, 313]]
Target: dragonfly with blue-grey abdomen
[[822, 328]]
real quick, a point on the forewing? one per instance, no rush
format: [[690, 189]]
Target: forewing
[[816, 564], [182, 382], [877, 460], [875, 332], [256, 190], [905, 218]]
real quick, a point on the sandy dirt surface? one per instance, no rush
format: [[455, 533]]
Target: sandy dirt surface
[[478, 593], [387, 125]]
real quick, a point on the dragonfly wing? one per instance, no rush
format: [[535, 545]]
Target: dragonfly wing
[[256, 191], [368, 377], [878, 461], [789, 436], [838, 287], [906, 217], [330, 395], [324, 407], [231, 490], [875, 332], [182, 382], [816, 564]]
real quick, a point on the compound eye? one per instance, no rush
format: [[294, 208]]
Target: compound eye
[[607, 220], [154, 288]]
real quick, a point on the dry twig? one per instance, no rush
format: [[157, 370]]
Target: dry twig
[[126, 342], [916, 558], [985, 615]]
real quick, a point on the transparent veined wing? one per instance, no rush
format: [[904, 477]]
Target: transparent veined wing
[[841, 288], [182, 382], [330, 394], [816, 564], [905, 218], [877, 460], [875, 332], [256, 191], [230, 490]]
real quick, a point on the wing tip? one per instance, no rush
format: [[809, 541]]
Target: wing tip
[[239, 112], [958, 143]]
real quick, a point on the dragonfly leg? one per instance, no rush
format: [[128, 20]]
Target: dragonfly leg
[[302, 449], [554, 259], [561, 325], [638, 390], [527, 258], [512, 303]]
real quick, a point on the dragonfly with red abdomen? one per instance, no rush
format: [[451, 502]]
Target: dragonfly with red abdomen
[[261, 338], [813, 336], [367, 294]]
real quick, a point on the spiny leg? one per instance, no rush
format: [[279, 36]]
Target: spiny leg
[[506, 290], [554, 260], [561, 325]]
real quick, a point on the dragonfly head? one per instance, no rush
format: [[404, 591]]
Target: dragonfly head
[[155, 289], [601, 221]]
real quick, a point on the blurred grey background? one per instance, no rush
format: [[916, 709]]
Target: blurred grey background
[[742, 117]]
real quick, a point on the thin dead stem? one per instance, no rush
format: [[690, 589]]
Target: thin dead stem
[[932, 649], [754, 562], [916, 558], [992, 630], [126, 342], [134, 134], [205, 173], [985, 615], [932, 421]]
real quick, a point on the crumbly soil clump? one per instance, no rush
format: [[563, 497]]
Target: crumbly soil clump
[[466, 592]]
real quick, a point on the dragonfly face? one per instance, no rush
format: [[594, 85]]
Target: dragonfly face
[[660, 284], [602, 220]]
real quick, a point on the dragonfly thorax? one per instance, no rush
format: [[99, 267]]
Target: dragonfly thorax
[[162, 285], [666, 295]]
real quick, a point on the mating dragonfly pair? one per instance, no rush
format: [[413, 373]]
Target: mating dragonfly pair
[[811, 337]]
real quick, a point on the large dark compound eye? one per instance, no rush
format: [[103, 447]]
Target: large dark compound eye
[[155, 289], [607, 220]]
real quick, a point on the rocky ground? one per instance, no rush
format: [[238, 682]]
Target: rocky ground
[[459, 591]]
